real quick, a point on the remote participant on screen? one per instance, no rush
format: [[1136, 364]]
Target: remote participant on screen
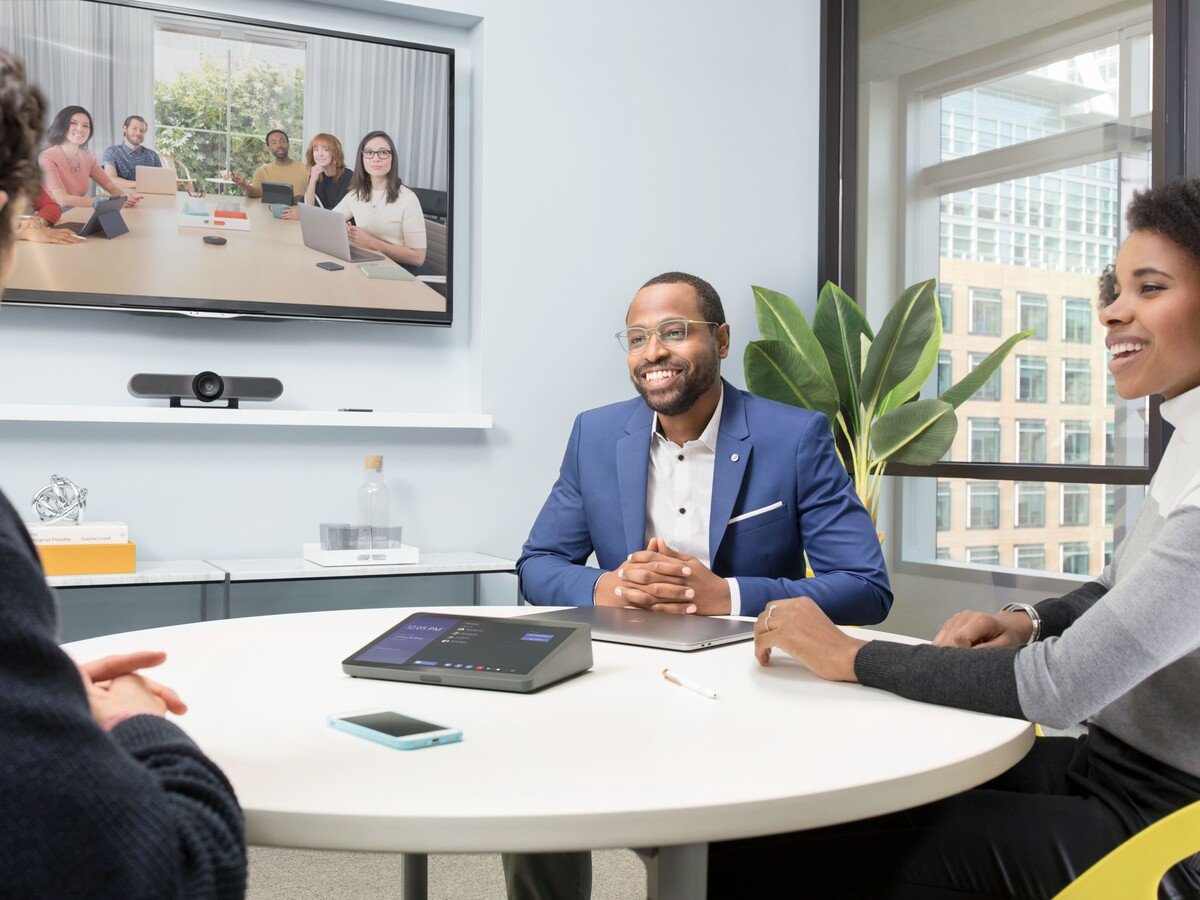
[[328, 177], [120, 161], [387, 215], [68, 166], [281, 168], [100, 795]]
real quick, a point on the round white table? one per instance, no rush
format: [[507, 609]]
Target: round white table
[[617, 757]]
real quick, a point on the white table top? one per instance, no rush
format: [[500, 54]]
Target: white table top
[[297, 568], [175, 571], [617, 757]]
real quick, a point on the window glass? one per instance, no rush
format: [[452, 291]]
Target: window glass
[[1077, 381], [990, 389], [984, 556], [1031, 440], [1031, 379], [1030, 556], [983, 504], [985, 439], [943, 506], [985, 311], [1075, 501], [1077, 442], [1031, 314], [1077, 320], [945, 372], [1076, 559], [946, 302]]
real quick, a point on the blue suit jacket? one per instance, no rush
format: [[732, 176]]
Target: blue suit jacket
[[767, 452]]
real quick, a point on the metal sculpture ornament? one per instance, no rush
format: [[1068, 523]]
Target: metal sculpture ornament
[[61, 501]]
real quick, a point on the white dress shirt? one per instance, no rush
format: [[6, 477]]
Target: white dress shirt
[[679, 482]]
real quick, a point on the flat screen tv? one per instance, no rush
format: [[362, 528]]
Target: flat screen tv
[[228, 106]]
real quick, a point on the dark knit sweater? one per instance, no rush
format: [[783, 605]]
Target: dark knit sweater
[[139, 812]]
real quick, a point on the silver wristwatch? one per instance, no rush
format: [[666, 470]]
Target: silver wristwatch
[[1034, 618]]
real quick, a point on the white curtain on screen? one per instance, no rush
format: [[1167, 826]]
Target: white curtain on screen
[[351, 88], [92, 55]]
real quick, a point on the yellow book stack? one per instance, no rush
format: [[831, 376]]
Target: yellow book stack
[[88, 559]]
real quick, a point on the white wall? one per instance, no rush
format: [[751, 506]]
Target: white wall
[[598, 144]]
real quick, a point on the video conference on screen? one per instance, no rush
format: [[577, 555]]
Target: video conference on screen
[[205, 96]]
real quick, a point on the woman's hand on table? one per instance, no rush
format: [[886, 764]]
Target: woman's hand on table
[[114, 686], [132, 200], [801, 629], [360, 237], [292, 212], [42, 235], [970, 628]]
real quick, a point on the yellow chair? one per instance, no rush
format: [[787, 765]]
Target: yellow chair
[[1133, 870]]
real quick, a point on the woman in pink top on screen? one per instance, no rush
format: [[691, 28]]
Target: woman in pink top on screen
[[67, 166]]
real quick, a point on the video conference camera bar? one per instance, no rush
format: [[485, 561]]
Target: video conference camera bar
[[207, 387]]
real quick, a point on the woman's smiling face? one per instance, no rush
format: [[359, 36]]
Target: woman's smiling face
[[1153, 323]]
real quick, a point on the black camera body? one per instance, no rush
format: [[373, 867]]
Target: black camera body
[[207, 387]]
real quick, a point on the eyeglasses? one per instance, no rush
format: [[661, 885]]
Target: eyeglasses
[[377, 154], [672, 331]]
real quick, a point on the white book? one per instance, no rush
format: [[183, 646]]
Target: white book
[[85, 533]]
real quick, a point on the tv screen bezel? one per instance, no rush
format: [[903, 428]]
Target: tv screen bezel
[[200, 307]]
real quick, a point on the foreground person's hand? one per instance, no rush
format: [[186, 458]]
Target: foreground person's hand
[[977, 629], [801, 629]]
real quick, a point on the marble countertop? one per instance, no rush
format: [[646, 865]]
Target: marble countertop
[[174, 571], [297, 568]]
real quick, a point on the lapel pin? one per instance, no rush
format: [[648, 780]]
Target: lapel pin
[[734, 458]]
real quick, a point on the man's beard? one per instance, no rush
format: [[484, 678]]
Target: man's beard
[[692, 383], [136, 141]]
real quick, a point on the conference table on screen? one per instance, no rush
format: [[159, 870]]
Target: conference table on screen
[[158, 257], [616, 757]]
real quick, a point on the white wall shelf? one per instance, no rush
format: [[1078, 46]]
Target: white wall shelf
[[304, 418]]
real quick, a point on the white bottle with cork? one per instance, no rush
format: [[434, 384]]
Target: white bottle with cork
[[374, 499]]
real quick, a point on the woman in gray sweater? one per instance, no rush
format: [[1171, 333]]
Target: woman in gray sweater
[[1121, 653]]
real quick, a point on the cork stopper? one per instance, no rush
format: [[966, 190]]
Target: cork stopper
[[374, 462]]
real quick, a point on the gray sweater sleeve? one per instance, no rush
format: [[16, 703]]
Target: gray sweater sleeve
[[1058, 613], [1149, 619], [980, 680]]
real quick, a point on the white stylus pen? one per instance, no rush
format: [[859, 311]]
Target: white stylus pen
[[676, 678]]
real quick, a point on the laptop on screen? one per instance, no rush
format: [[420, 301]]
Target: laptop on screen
[[325, 230], [154, 180], [666, 631]]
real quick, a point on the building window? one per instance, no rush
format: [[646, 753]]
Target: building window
[[1075, 502], [1076, 442], [1077, 381], [990, 389], [1031, 379], [1110, 389], [943, 506], [945, 372], [1031, 504], [1031, 440], [1108, 553], [946, 302], [1030, 556], [983, 556], [984, 438], [1031, 315], [1076, 560], [985, 311], [942, 553], [983, 504], [1077, 321], [1110, 503], [1110, 448]]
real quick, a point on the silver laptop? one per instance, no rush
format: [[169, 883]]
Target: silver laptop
[[325, 230], [154, 180], [668, 631]]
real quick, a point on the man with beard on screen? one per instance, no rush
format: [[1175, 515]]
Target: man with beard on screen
[[696, 498]]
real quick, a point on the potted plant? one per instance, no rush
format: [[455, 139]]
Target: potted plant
[[866, 384]]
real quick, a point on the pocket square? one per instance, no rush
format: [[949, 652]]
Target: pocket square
[[756, 512]]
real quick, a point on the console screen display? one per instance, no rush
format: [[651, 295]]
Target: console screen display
[[429, 641]]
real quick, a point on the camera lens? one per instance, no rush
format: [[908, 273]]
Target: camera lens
[[208, 386]]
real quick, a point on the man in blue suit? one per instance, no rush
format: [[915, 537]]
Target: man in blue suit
[[698, 497]]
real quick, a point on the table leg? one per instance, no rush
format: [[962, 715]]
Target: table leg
[[203, 602], [676, 873], [475, 589], [415, 883]]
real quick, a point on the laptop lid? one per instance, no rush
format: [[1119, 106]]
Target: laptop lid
[[278, 192], [324, 230], [667, 631], [154, 180]]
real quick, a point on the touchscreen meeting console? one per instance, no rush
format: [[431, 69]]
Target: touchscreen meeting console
[[498, 654]]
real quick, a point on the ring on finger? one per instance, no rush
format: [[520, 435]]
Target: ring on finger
[[767, 620]]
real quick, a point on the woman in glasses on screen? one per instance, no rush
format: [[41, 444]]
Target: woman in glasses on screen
[[387, 215], [1121, 654], [68, 166], [112, 798], [328, 177]]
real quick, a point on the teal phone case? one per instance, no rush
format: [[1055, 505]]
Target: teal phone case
[[411, 742]]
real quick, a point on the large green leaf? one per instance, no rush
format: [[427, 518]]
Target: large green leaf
[[901, 341], [839, 325], [976, 378], [780, 319], [777, 371], [912, 385], [917, 433]]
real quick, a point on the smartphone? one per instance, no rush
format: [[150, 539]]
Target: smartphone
[[388, 727], [329, 266]]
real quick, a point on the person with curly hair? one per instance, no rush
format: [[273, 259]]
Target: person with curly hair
[[100, 795], [1121, 653]]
